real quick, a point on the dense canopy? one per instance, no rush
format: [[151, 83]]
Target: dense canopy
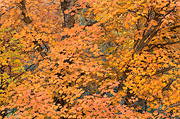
[[89, 59]]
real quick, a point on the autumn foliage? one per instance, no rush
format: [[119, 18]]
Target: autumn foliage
[[89, 59]]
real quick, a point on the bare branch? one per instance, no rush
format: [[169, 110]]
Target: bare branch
[[170, 106]]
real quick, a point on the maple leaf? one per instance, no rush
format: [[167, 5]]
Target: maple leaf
[[89, 59]]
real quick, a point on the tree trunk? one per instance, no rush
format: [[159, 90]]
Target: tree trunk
[[68, 18]]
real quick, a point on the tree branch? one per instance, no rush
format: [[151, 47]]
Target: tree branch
[[26, 18], [161, 45]]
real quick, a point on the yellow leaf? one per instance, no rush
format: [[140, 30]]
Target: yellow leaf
[[17, 61]]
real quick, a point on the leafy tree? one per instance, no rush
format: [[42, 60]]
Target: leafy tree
[[89, 59]]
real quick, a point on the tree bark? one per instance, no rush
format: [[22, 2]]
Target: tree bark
[[68, 18]]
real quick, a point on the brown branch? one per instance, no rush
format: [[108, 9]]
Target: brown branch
[[161, 45], [6, 11], [164, 70], [168, 85], [39, 49], [27, 69], [170, 11], [26, 18], [151, 33], [174, 27], [137, 14], [170, 106]]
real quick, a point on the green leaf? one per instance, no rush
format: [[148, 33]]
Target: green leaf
[[3, 29], [1, 91], [110, 49], [8, 29], [13, 32], [13, 39]]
